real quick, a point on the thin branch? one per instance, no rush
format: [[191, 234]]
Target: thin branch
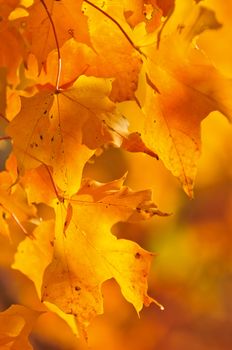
[[57, 45]]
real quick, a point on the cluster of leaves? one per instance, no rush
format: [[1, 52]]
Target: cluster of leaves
[[86, 75]]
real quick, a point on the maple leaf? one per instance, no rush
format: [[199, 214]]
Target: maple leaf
[[183, 89], [64, 127], [116, 55], [71, 53], [138, 57], [49, 24], [86, 253], [116, 58]]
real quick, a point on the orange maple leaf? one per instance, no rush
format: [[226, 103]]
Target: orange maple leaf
[[64, 128], [183, 88], [49, 24]]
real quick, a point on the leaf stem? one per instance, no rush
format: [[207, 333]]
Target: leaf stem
[[57, 45]]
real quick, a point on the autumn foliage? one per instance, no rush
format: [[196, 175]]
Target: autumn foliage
[[79, 79]]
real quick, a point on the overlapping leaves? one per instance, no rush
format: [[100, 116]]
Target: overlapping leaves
[[93, 57]]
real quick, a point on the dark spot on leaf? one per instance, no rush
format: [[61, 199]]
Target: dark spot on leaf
[[52, 139], [180, 28], [71, 32], [137, 255], [41, 137], [77, 288], [45, 112]]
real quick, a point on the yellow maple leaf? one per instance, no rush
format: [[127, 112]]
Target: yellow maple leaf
[[86, 253], [64, 128], [116, 55]]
